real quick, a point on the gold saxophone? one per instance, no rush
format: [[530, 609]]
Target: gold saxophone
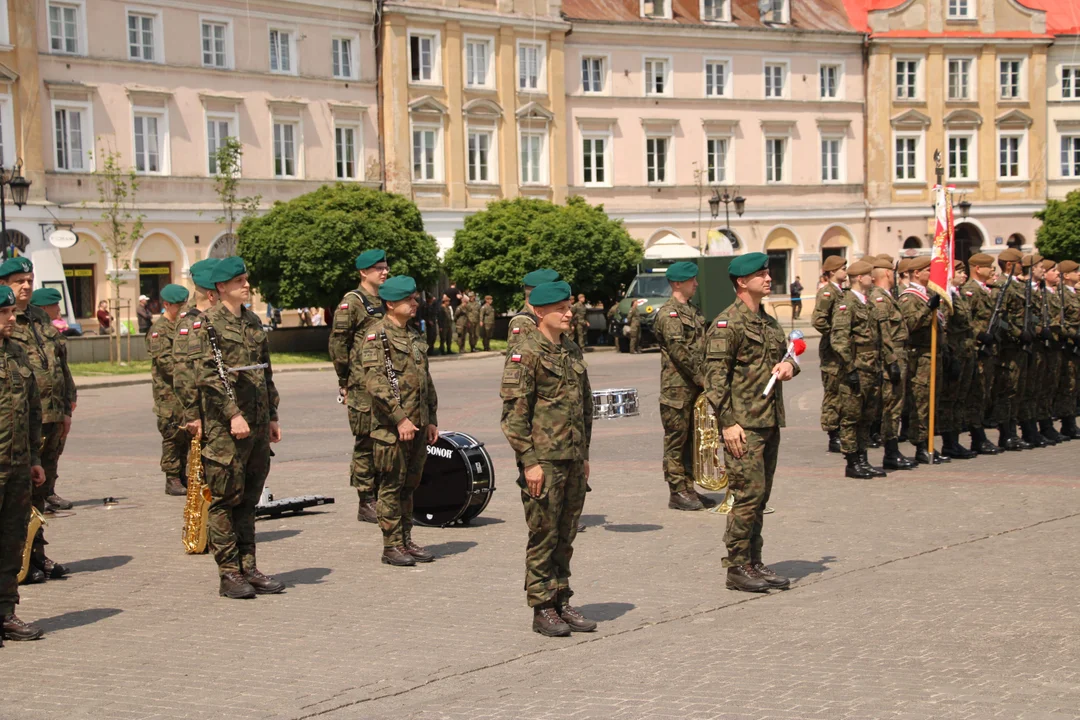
[[36, 521], [197, 506], [708, 470]]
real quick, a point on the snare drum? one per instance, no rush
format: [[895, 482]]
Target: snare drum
[[457, 483], [613, 404]]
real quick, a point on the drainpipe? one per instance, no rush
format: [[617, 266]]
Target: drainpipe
[[377, 26], [866, 146]]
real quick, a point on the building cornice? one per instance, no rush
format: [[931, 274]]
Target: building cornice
[[474, 17], [653, 29], [354, 7]]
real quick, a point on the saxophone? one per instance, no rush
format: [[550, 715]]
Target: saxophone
[[708, 469], [36, 521], [197, 506]]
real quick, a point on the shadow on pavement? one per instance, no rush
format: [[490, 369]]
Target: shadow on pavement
[[592, 520], [95, 501], [450, 548], [108, 562], [303, 576], [272, 535], [797, 569], [477, 522], [75, 619], [605, 611], [633, 527]]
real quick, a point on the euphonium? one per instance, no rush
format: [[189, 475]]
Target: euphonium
[[197, 506], [708, 470], [36, 521]]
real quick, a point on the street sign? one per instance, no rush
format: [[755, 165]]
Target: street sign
[[63, 238]]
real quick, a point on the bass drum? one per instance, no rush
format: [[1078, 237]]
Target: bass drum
[[457, 483]]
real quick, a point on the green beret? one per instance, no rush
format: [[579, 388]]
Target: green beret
[[680, 271], [16, 265], [174, 294], [549, 293], [45, 296], [227, 269], [368, 258], [539, 277], [201, 272], [396, 288], [748, 264], [7, 296]]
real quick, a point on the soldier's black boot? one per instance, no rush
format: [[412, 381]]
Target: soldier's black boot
[[16, 629], [854, 469], [263, 584], [572, 617], [1068, 427], [951, 447], [922, 455], [981, 445], [1032, 436], [1046, 428], [777, 581], [834, 441], [49, 568], [1065, 437], [706, 501], [894, 460], [546, 621], [746, 579], [173, 486], [875, 435], [683, 500], [865, 463], [235, 587], [33, 576]]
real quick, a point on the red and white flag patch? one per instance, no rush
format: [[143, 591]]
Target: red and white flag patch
[[842, 307], [197, 324], [721, 323], [968, 293], [516, 331], [827, 294], [183, 331], [879, 299], [371, 336], [515, 358], [153, 335], [673, 314], [343, 306]]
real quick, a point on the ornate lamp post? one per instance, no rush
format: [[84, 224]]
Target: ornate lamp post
[[20, 188]]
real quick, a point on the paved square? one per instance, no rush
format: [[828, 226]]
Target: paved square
[[941, 593]]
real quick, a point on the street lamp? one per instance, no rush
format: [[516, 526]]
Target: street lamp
[[727, 199], [20, 188], [965, 208]]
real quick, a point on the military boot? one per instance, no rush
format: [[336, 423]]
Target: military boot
[[875, 435], [173, 486], [894, 460], [951, 447], [981, 445], [854, 469], [235, 587], [1046, 428], [572, 617], [54, 502], [1031, 434], [49, 568], [546, 621], [706, 501], [418, 552], [777, 581], [397, 556], [16, 629], [834, 442], [683, 500], [263, 584], [1068, 427], [33, 576], [1065, 437], [746, 579], [922, 455], [366, 512], [865, 462], [1007, 439]]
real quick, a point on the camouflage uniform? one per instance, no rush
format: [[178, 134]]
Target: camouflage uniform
[[461, 325], [236, 469], [915, 306], [580, 324], [855, 338], [175, 440], [741, 348], [822, 320], [981, 301], [894, 338], [521, 326], [20, 440], [487, 319], [680, 331], [446, 328], [355, 314], [398, 464], [1065, 402], [959, 365], [1051, 307], [1036, 369], [547, 419], [635, 327], [1010, 377], [472, 314]]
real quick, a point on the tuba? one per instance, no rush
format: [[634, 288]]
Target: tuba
[[197, 506], [36, 521], [708, 469]]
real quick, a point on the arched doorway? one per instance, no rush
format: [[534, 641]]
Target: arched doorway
[[1015, 241], [968, 241], [835, 241], [223, 247], [779, 246], [912, 243]]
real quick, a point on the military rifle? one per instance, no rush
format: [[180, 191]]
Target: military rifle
[[1046, 334], [996, 323], [1027, 337]]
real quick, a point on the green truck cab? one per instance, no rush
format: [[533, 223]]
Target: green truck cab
[[650, 286]]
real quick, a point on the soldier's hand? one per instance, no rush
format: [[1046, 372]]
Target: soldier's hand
[[985, 338], [586, 471], [37, 475], [406, 430], [238, 427], [275, 431], [894, 372], [67, 427], [432, 434], [853, 380], [735, 440], [343, 393], [935, 300], [783, 371], [534, 479], [194, 428]]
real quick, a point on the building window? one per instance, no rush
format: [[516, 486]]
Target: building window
[[64, 28], [829, 76], [907, 156], [7, 131], [654, 8], [715, 10], [716, 159], [341, 52], [80, 279], [961, 9], [1070, 82], [830, 159], [1010, 79], [70, 142], [1070, 156], [480, 157], [346, 153], [960, 78], [774, 159], [530, 66], [281, 52], [775, 11], [141, 37], [960, 158], [907, 79], [774, 80], [533, 166], [215, 44], [1009, 157], [656, 159], [594, 160], [655, 76], [716, 78], [425, 156], [478, 63], [148, 143], [592, 74], [422, 58], [285, 135], [217, 130]]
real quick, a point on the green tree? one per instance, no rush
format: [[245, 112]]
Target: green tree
[[227, 186], [1059, 235], [302, 252], [512, 237]]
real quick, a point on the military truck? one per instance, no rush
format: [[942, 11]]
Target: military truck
[[650, 286]]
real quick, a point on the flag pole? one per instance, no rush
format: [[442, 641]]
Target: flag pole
[[940, 172]]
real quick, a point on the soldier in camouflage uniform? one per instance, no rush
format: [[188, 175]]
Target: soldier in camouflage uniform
[[981, 301], [635, 325], [403, 414], [855, 338], [822, 320], [461, 323], [581, 322], [1065, 403], [894, 362], [920, 311], [188, 332], [239, 422], [47, 350], [1010, 375], [744, 346], [446, 326], [1052, 335], [525, 321], [487, 321], [472, 312], [547, 419], [20, 465], [175, 440], [1035, 342], [959, 366], [680, 331], [355, 314]]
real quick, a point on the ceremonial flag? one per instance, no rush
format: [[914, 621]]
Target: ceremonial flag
[[941, 257]]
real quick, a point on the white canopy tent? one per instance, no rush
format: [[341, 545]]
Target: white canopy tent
[[670, 247]]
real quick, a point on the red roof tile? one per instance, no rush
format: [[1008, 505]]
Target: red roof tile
[[822, 15], [1062, 17]]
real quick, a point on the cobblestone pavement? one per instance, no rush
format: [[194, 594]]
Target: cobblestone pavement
[[942, 593]]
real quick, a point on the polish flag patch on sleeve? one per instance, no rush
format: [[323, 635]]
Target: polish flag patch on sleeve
[[183, 331], [827, 294], [515, 358], [721, 323], [968, 293], [842, 307], [197, 324], [879, 299], [516, 331], [673, 314], [153, 335], [371, 336], [343, 306]]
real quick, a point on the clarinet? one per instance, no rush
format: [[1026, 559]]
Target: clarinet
[[391, 375], [219, 361]]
